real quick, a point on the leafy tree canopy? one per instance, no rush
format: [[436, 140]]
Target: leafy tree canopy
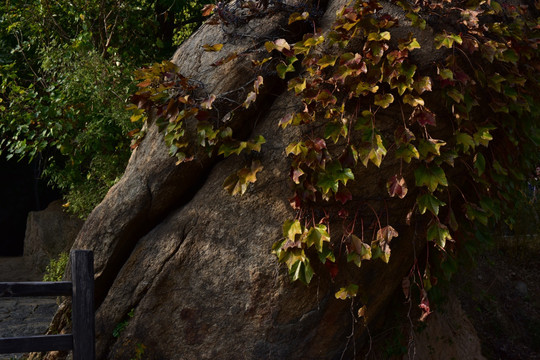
[[66, 70]]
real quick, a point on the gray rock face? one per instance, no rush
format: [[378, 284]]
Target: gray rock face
[[194, 263], [48, 233]]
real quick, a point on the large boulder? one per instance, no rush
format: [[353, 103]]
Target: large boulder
[[186, 270], [183, 270]]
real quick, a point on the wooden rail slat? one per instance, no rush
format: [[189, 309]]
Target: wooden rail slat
[[81, 289], [35, 343], [82, 308], [13, 289]]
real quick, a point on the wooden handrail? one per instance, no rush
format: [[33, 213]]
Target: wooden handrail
[[81, 289]]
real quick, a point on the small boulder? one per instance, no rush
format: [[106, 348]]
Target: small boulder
[[48, 233]]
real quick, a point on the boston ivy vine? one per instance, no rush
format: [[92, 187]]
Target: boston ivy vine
[[485, 85]]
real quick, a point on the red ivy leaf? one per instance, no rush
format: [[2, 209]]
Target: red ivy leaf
[[295, 202], [397, 186], [423, 116], [207, 9], [226, 59], [404, 135], [251, 97], [133, 132], [333, 269], [343, 213], [295, 175], [343, 195], [207, 104], [257, 84], [424, 305]]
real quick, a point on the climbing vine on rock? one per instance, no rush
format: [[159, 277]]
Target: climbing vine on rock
[[458, 136]]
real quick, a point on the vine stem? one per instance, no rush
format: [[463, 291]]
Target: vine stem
[[376, 215], [351, 336]]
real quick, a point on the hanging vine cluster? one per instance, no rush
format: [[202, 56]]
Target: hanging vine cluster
[[485, 85]]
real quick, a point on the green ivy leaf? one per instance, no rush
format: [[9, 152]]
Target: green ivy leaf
[[422, 84], [326, 98], [334, 130], [355, 258], [326, 254], [298, 84], [374, 151], [332, 176], [384, 100], [479, 163], [410, 44], [327, 182], [510, 55], [448, 156], [296, 16], [407, 152], [491, 206], [429, 202], [482, 136], [327, 60], [302, 270], [317, 235], [455, 94], [238, 182], [385, 35], [465, 141], [347, 292], [296, 148], [416, 20], [430, 146], [431, 177], [498, 168], [445, 73], [495, 80], [362, 249], [412, 100], [228, 148], [363, 88], [291, 228], [447, 40], [474, 212], [282, 69], [439, 234]]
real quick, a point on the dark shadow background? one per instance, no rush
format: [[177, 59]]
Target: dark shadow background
[[21, 191]]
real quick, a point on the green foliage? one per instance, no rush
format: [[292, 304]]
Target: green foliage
[[345, 89], [139, 351], [56, 268], [121, 326], [65, 75]]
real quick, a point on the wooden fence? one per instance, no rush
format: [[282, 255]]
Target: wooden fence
[[81, 289]]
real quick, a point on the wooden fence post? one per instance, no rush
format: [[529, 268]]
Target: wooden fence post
[[82, 270]]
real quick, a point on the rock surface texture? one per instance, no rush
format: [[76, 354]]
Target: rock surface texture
[[194, 263], [48, 233]]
